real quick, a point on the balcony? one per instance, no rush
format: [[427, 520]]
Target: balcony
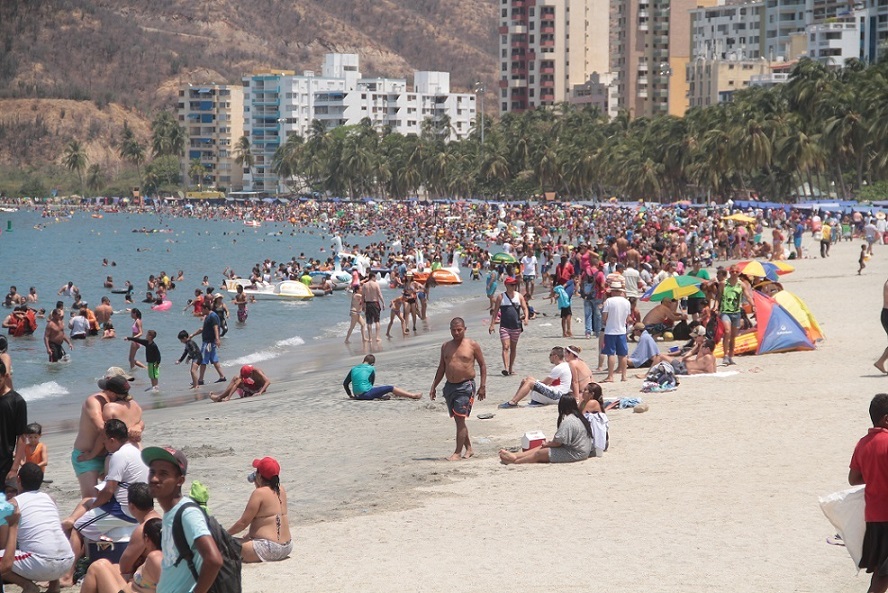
[[547, 30], [519, 44], [547, 84], [642, 94], [643, 14], [549, 43], [516, 83], [503, 84], [518, 4], [547, 70], [643, 27], [642, 67], [502, 29], [518, 29], [519, 71], [642, 79]]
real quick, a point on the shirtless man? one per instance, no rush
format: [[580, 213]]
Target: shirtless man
[[54, 336], [660, 318], [373, 304], [114, 401], [458, 357], [880, 364], [104, 311], [698, 361]]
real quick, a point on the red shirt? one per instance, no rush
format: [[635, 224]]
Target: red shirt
[[871, 459]]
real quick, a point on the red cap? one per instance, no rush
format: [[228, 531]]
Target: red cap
[[246, 371], [267, 467]]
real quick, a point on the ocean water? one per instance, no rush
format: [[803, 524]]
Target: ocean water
[[284, 335]]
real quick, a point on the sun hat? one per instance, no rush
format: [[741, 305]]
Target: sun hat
[[118, 372], [167, 454], [267, 467], [511, 280]]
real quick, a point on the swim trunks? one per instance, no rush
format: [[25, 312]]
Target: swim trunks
[[372, 311], [96, 464], [615, 344], [209, 354], [269, 551], [509, 334], [244, 391], [153, 370], [679, 367], [242, 315], [58, 353], [460, 397], [885, 319]]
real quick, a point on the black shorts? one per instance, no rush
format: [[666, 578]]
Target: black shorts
[[885, 320], [695, 306], [566, 312], [372, 312], [875, 549], [58, 353]]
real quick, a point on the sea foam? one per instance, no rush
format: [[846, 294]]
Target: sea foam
[[42, 391]]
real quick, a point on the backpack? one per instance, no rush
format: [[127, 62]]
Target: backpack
[[587, 290], [229, 578]]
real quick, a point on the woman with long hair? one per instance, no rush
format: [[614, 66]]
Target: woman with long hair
[[105, 577], [137, 333], [593, 408], [268, 538], [572, 440]]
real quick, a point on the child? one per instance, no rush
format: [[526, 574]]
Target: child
[[862, 259], [35, 451], [152, 357], [564, 306], [108, 331], [192, 353]]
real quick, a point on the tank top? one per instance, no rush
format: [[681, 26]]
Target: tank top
[[40, 530], [731, 296], [509, 318]]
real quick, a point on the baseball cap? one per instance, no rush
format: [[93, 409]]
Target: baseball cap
[[167, 454], [118, 372], [116, 384], [267, 467]]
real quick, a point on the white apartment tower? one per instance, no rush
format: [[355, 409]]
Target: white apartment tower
[[213, 118]]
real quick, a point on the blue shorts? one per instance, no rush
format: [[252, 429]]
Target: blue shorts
[[209, 354], [615, 344], [96, 464], [732, 318], [376, 392]]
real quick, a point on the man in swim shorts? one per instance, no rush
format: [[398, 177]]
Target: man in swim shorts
[[249, 382], [373, 304], [457, 363], [54, 336], [361, 378], [211, 340]]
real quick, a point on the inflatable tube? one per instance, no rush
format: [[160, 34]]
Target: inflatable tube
[[121, 290], [162, 306]]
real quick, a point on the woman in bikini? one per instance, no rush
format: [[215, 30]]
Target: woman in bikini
[[105, 577], [137, 333], [268, 538], [357, 305]]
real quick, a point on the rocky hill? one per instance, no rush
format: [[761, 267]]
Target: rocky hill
[[123, 59]]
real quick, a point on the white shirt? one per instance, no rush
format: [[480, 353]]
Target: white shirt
[[561, 377], [126, 467], [79, 325], [617, 309], [530, 265], [40, 529], [632, 278]]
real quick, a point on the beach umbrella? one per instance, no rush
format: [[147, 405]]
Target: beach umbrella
[[764, 269], [739, 217], [503, 258], [673, 287]]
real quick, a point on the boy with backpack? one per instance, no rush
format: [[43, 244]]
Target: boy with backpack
[[197, 541]]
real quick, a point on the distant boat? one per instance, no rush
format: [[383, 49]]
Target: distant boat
[[252, 223]]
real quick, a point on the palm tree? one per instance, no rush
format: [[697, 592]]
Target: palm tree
[[132, 151], [196, 171], [243, 154], [75, 159], [167, 136], [95, 178]]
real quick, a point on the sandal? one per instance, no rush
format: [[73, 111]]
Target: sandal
[[505, 373], [507, 405]]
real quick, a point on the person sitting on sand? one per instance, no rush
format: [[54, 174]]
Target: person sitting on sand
[[360, 379], [250, 382], [645, 350], [268, 539], [662, 317], [592, 406], [580, 373], [105, 577], [698, 361], [572, 440], [549, 390]]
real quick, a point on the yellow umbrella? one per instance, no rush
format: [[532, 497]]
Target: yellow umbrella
[[739, 217]]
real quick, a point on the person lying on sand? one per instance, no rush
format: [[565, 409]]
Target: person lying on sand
[[251, 381]]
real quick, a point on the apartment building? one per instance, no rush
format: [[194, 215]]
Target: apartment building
[[653, 48], [548, 47], [712, 81], [212, 116], [279, 104], [731, 31]]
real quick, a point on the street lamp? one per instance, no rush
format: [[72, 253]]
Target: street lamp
[[479, 91]]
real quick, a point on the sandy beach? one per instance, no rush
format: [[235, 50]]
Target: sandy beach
[[714, 488]]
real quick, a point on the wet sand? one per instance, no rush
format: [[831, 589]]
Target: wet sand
[[714, 488]]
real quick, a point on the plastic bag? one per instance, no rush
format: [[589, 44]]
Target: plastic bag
[[845, 511]]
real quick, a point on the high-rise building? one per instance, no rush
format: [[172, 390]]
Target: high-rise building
[[653, 47], [213, 118], [712, 81], [731, 31], [278, 104], [547, 47]]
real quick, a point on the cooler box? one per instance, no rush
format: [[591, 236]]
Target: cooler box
[[532, 440], [111, 551]]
